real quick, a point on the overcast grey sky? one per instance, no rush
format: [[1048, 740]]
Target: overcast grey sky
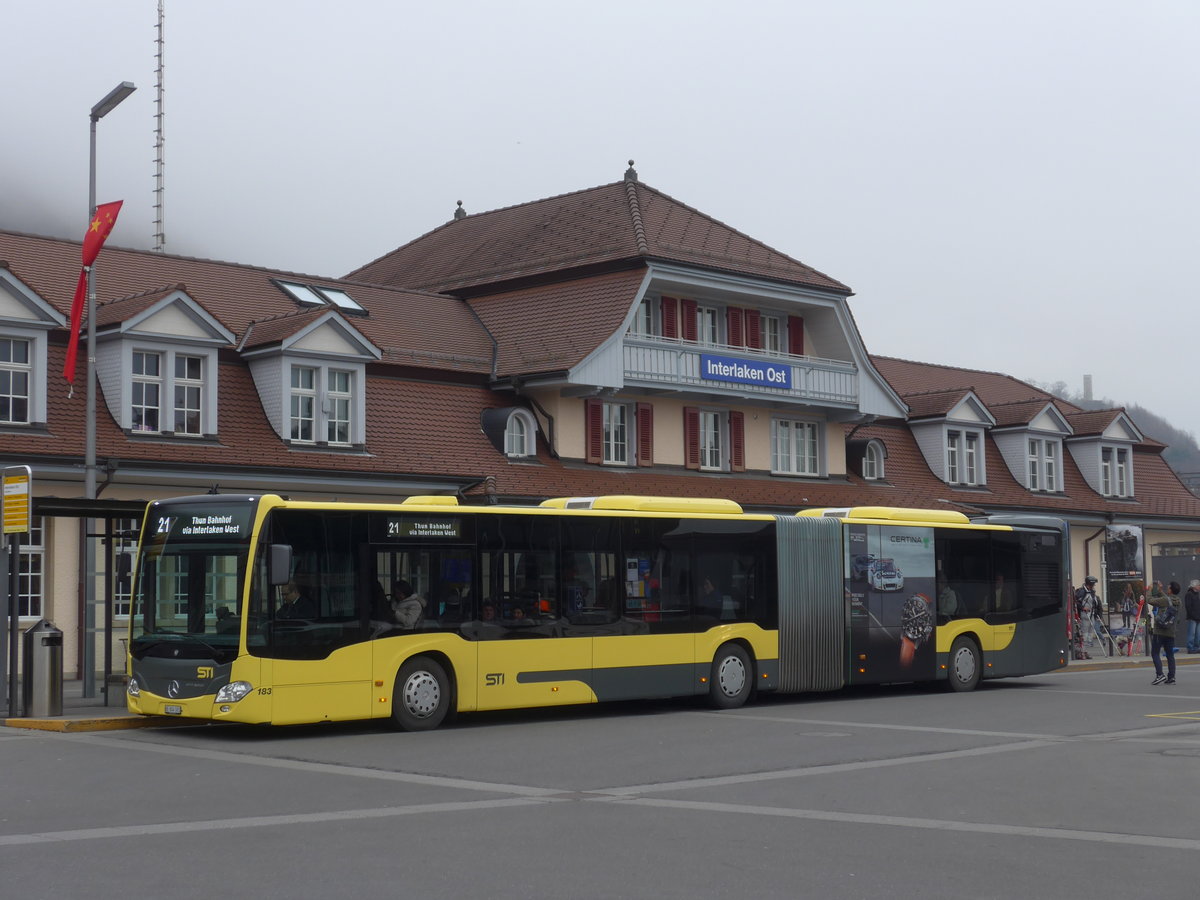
[[1010, 186]]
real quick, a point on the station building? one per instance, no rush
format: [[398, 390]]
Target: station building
[[611, 340]]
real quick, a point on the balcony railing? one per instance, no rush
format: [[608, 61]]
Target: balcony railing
[[667, 361]]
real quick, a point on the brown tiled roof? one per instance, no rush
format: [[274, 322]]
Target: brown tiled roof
[[1020, 412], [280, 328], [572, 319], [910, 377], [113, 312], [410, 327], [599, 226], [1094, 422], [933, 403]]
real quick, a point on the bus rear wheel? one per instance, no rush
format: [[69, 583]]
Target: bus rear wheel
[[966, 664], [422, 697], [732, 677]]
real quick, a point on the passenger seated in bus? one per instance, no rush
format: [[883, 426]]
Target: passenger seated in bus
[[227, 622], [296, 604], [407, 605], [947, 601]]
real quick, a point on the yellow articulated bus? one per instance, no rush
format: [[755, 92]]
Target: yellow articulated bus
[[263, 610]]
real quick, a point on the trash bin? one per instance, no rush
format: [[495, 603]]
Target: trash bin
[[42, 670]]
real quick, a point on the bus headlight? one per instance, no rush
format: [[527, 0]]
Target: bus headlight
[[133, 688], [234, 691]]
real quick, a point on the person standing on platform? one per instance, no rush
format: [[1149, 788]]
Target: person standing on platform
[[1162, 633], [1191, 605]]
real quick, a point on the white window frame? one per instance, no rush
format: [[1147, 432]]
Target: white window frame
[[964, 457], [708, 325], [334, 399], [872, 463], [617, 435], [302, 403], [1116, 472], [795, 447], [123, 546], [770, 329], [520, 433], [339, 406], [31, 580], [1043, 458], [643, 319], [143, 383], [15, 371], [712, 437], [187, 385], [169, 410], [1123, 480]]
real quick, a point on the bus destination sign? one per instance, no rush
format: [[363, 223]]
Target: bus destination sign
[[400, 527]]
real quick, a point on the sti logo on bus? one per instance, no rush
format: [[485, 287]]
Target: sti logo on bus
[[204, 671], [492, 679]]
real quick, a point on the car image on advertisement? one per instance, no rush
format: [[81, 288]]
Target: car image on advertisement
[[860, 565], [883, 575]]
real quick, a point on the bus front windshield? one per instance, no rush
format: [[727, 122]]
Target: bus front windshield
[[190, 570]]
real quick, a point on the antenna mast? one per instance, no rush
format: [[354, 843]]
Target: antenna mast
[[160, 237]]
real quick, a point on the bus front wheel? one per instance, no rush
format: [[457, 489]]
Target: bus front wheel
[[732, 677], [422, 696], [966, 664]]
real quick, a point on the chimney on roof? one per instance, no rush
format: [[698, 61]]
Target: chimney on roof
[[460, 213], [631, 173], [1087, 387]]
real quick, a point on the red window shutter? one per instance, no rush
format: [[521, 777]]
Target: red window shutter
[[687, 309], [691, 437], [645, 434], [796, 335], [753, 329], [670, 318], [737, 442], [593, 428], [735, 326]]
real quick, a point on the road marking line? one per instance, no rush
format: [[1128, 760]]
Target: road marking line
[[125, 831], [1067, 834]]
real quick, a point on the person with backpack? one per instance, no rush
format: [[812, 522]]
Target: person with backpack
[[1163, 611], [1191, 606], [1087, 604], [1127, 608]]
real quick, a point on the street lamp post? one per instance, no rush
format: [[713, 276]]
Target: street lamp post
[[87, 556], [99, 111]]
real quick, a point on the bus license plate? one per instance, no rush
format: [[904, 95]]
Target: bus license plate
[[171, 709]]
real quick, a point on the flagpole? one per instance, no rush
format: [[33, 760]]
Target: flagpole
[[99, 111], [87, 556]]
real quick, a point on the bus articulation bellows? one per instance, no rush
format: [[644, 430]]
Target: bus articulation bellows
[[258, 609]]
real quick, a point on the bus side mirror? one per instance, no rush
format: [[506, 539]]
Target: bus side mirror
[[279, 564]]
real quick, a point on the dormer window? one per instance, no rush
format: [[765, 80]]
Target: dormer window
[[1043, 465], [15, 371], [519, 435], [1114, 472], [963, 457], [321, 405], [872, 462]]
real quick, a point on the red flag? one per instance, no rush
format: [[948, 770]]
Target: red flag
[[98, 231]]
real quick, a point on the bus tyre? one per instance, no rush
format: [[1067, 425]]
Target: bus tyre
[[422, 696], [966, 664], [732, 677]]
